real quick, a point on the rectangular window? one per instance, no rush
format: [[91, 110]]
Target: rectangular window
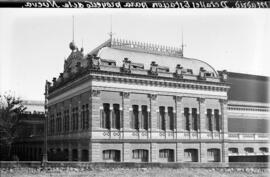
[[116, 116], [58, 122], [135, 116], [209, 120], [194, 119], [66, 120], [75, 118], [84, 117], [216, 120], [162, 118], [140, 154], [171, 118], [144, 124], [186, 115], [106, 122]]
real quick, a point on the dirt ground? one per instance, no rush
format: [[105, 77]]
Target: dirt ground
[[142, 172]]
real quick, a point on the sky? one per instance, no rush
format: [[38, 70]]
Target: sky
[[35, 42]]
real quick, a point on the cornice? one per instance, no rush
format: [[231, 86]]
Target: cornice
[[106, 76]]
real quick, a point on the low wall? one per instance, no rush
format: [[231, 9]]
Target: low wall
[[38, 164]]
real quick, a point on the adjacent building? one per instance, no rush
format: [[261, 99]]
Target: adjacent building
[[129, 101]]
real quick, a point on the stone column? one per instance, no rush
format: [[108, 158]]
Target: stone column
[[179, 152], [153, 112], [126, 112], [202, 109], [179, 118], [95, 109], [224, 129]]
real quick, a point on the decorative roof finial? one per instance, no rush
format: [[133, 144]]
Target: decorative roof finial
[[111, 29], [183, 45], [72, 45]]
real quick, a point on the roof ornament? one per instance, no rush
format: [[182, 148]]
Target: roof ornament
[[72, 45], [183, 45], [111, 30]]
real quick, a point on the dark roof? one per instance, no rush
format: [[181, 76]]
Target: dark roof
[[246, 87]]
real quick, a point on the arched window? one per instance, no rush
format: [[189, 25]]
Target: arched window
[[167, 154], [213, 155], [187, 121], [135, 117], [170, 119], [249, 150], [111, 155], [105, 116], [194, 125], [216, 120], [141, 154], [233, 150], [116, 116], [264, 149], [191, 155], [162, 118], [209, 125], [144, 124]]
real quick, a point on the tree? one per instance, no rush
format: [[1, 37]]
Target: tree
[[11, 109]]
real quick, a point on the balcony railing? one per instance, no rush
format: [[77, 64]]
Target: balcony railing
[[248, 136]]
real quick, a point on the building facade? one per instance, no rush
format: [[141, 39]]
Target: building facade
[[129, 101]]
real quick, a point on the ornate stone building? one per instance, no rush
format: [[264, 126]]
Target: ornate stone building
[[129, 101]]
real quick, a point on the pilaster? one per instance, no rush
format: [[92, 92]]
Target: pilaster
[[95, 111], [153, 111], [179, 117], [203, 153], [154, 152], [224, 129], [126, 112], [179, 152], [202, 109], [126, 152]]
